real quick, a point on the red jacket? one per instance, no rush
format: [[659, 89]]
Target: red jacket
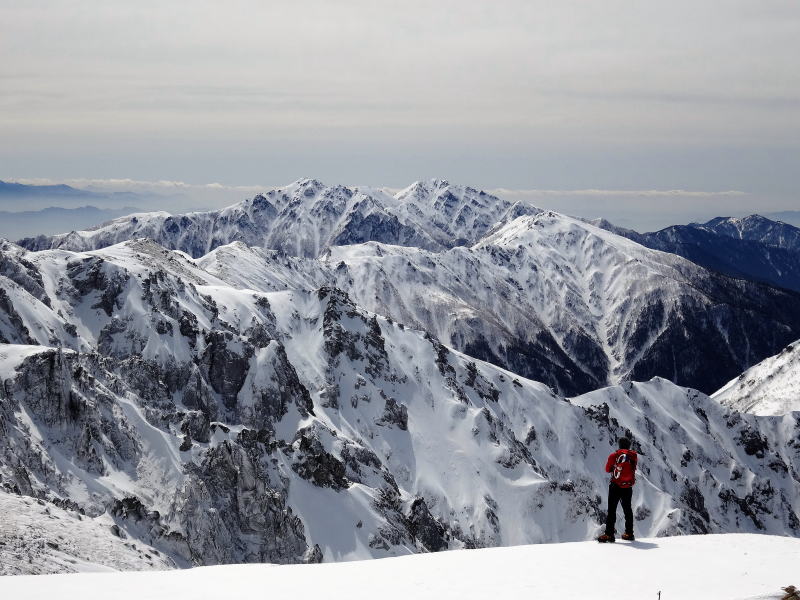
[[622, 466]]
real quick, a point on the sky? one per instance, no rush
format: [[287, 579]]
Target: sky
[[528, 96]]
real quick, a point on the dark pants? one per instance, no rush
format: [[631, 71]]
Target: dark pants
[[617, 495]]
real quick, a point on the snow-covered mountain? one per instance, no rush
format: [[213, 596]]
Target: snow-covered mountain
[[772, 387], [741, 248], [552, 298], [215, 423], [756, 228], [549, 297], [306, 217]]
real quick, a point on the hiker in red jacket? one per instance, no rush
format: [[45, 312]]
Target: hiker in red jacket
[[622, 466]]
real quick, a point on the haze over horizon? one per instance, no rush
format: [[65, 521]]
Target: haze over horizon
[[524, 97], [642, 210]]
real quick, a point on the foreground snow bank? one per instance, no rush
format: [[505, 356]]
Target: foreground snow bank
[[708, 567]]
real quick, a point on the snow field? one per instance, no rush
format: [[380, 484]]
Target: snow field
[[724, 567]]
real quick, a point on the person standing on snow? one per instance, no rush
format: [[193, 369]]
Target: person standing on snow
[[622, 466]]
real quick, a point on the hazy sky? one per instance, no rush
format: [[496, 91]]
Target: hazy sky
[[700, 95]]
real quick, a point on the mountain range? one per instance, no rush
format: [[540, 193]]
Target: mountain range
[[547, 296], [754, 247], [327, 373]]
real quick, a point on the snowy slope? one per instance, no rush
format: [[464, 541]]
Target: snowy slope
[[772, 387], [553, 299], [39, 537], [454, 215], [735, 250], [728, 567]]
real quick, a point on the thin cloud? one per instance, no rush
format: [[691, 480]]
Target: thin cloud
[[616, 193], [133, 185]]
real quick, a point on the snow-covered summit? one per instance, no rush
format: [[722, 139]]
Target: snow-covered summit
[[454, 215], [755, 228]]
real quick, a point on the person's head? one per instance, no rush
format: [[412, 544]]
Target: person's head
[[624, 443]]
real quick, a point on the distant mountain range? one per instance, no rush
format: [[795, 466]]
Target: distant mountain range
[[18, 194], [753, 247], [19, 190], [542, 294]]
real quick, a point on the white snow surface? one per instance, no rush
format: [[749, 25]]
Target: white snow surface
[[712, 567], [772, 387], [12, 355]]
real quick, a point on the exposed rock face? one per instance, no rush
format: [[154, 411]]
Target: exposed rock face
[[315, 464], [424, 528]]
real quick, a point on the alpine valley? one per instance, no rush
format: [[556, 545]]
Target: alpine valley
[[331, 373]]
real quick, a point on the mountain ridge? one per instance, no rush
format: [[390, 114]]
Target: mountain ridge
[[591, 342], [306, 217], [753, 248]]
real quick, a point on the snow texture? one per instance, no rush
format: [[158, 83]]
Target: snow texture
[[772, 387], [39, 537], [733, 567]]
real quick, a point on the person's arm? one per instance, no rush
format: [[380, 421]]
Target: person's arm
[[610, 462]]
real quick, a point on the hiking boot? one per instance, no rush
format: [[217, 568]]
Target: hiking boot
[[603, 539], [628, 536]]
